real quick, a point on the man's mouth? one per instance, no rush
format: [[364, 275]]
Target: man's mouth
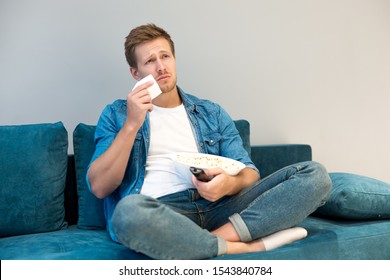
[[163, 77]]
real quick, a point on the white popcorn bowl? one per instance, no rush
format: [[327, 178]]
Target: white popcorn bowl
[[206, 161]]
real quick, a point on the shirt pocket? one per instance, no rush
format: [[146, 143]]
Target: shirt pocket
[[212, 143]]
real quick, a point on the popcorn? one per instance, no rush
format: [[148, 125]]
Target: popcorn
[[205, 161]]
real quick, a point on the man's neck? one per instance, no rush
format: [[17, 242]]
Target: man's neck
[[169, 99]]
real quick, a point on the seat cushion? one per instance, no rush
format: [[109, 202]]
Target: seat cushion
[[69, 244], [357, 197], [33, 164], [332, 240]]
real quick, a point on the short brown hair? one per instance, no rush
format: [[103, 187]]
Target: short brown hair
[[143, 34]]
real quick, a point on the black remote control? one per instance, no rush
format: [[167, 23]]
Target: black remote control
[[200, 174]]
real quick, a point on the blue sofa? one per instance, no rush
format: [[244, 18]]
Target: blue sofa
[[47, 211]]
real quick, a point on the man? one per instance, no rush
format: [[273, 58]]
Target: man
[[153, 209]]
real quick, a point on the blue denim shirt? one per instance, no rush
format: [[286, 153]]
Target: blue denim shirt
[[214, 130]]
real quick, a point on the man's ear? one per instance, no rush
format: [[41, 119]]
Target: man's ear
[[135, 74]]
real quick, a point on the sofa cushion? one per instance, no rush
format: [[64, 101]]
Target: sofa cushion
[[33, 164], [357, 197], [243, 128], [70, 244], [91, 214]]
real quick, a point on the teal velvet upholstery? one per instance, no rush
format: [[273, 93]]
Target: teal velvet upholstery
[[332, 240], [33, 165], [243, 128], [356, 197], [328, 239], [270, 158], [91, 214], [69, 244]]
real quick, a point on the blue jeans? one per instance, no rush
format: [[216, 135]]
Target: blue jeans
[[178, 226]]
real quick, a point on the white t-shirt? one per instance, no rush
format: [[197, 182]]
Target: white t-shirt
[[170, 132]]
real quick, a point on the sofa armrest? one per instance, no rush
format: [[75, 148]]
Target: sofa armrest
[[270, 158]]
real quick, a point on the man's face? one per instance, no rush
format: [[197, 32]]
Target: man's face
[[156, 58]]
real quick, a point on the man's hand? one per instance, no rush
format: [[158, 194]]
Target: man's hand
[[215, 188], [139, 102], [224, 184]]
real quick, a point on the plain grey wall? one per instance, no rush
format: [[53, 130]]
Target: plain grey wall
[[315, 72]]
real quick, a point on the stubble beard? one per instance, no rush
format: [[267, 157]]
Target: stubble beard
[[169, 87]]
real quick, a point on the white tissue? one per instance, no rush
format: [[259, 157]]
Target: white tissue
[[154, 90]]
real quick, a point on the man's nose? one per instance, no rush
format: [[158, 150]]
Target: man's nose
[[160, 65]]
